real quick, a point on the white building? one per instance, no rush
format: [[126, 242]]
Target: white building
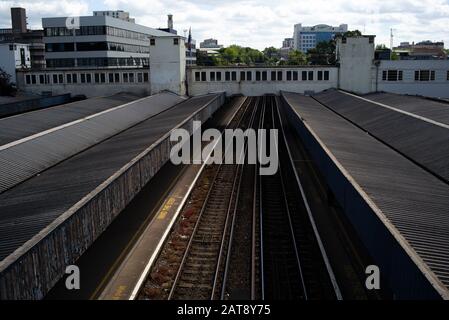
[[14, 56], [306, 38], [118, 14], [167, 67], [98, 41], [168, 64], [415, 77]]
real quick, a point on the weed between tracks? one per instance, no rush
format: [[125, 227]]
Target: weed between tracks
[[163, 272]]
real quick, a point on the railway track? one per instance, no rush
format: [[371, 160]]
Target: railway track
[[164, 273], [241, 271], [295, 264], [197, 277], [245, 236]]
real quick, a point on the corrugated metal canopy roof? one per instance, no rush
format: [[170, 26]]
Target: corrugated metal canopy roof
[[29, 207], [414, 202], [421, 139], [437, 111], [23, 125], [21, 159]]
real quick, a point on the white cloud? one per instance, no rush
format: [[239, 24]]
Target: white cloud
[[262, 23], [37, 9]]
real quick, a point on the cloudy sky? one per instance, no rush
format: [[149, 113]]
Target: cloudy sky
[[261, 23]]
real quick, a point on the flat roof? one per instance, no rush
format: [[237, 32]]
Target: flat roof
[[106, 21]]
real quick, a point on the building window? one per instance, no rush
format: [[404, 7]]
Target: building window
[[264, 75], [41, 79], [116, 77], [203, 76], [75, 78], [234, 76], [88, 78], [131, 77], [111, 77], [257, 75], [242, 76], [197, 76], [249, 76], [140, 77], [289, 76], [55, 78], [273, 75], [310, 76], [152, 42], [320, 75], [61, 78], [97, 78], [424, 75], [295, 75], [69, 78], [175, 41], [304, 76], [279, 75], [392, 75], [145, 77], [28, 79], [60, 63], [326, 75], [212, 76], [218, 75]]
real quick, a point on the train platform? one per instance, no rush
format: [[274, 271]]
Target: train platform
[[132, 272]]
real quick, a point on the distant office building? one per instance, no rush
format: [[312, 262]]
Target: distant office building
[[305, 38], [288, 43], [210, 44], [425, 50], [14, 56], [99, 41], [118, 14], [288, 46], [20, 34]]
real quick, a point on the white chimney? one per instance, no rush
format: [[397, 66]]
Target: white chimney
[[170, 21]]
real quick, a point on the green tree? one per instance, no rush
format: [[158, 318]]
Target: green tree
[[296, 58], [323, 54], [272, 55], [351, 34], [394, 56], [6, 87]]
